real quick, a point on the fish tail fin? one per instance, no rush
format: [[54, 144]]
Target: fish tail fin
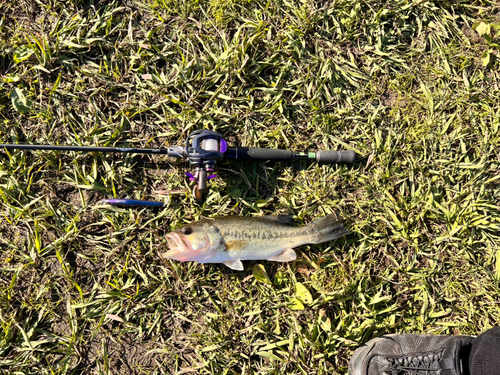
[[328, 228]]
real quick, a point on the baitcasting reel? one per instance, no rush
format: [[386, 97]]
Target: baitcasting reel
[[203, 148]]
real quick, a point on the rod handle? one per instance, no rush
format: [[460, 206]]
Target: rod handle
[[336, 157], [258, 154]]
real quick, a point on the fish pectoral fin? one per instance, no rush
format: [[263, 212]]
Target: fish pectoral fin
[[234, 264], [286, 256], [236, 245]]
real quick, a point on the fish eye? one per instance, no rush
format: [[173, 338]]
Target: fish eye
[[186, 231]]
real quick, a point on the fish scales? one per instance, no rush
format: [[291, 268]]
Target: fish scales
[[260, 233]]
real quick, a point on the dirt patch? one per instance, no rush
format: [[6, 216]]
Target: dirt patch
[[120, 354], [389, 98]]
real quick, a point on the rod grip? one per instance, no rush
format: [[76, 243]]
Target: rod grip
[[258, 154], [336, 157]]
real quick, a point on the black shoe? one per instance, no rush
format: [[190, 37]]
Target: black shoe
[[484, 358], [412, 355]]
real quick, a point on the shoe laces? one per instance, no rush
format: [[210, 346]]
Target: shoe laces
[[425, 364]]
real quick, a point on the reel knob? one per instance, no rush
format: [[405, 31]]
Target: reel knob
[[198, 196]]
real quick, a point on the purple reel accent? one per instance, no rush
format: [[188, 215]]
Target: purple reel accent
[[192, 178], [223, 146]]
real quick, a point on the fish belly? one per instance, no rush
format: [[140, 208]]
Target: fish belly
[[251, 253]]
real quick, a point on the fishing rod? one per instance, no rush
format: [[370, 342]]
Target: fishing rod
[[203, 148]]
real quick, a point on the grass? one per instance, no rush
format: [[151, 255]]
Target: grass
[[413, 87]]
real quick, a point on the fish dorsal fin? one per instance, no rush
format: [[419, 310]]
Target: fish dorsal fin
[[234, 264], [326, 221], [280, 219], [236, 245]]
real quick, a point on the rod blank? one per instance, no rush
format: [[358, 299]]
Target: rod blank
[[126, 150]]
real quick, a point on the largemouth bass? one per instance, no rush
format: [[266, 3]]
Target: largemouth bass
[[231, 239]]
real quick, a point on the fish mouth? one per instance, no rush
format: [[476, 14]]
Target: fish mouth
[[177, 245]]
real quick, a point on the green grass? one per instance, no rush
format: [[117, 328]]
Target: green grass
[[413, 87]]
